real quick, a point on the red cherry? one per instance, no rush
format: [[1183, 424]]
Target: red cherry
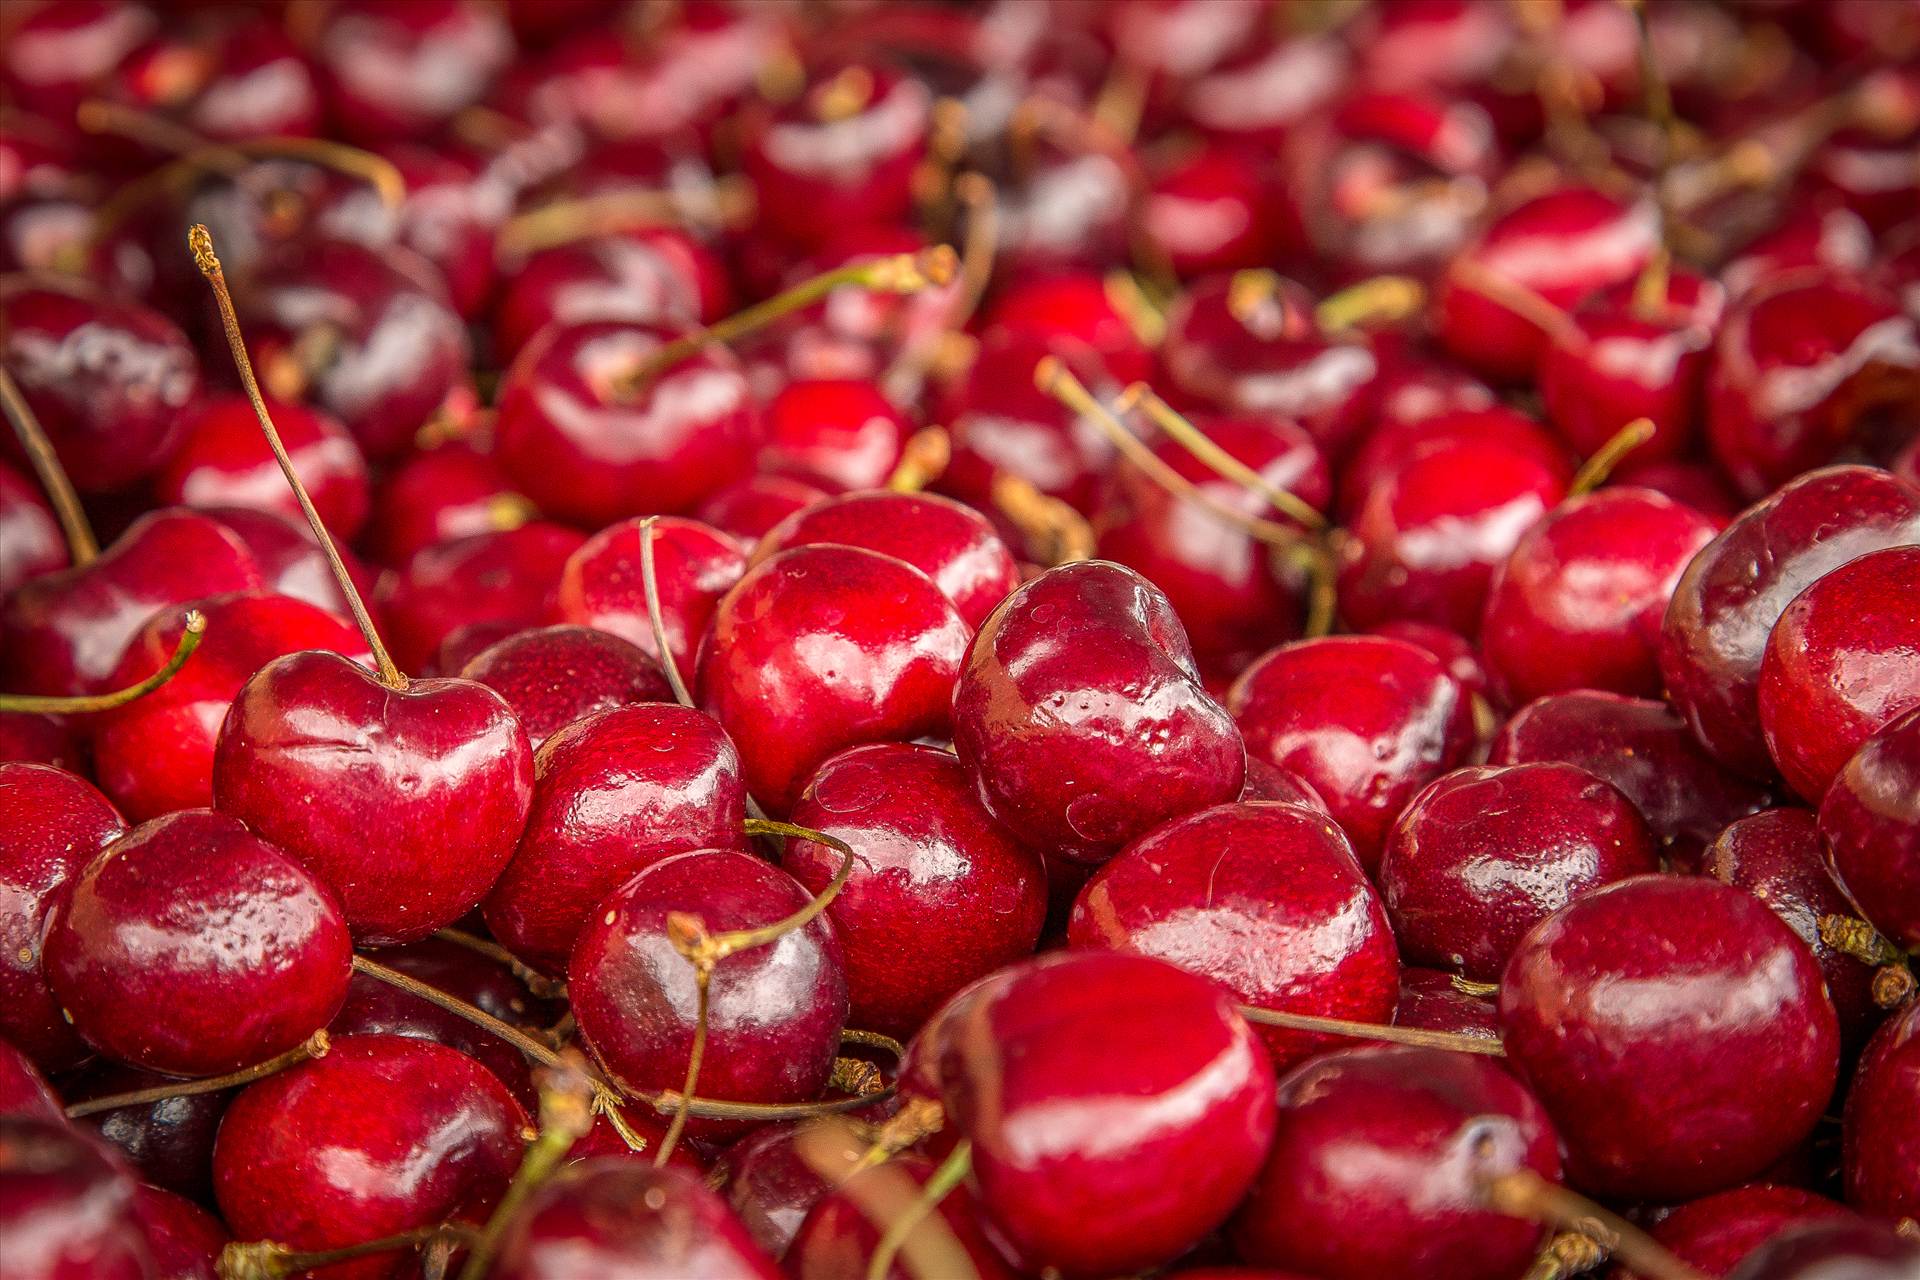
[[507, 577], [1271, 782], [1462, 660], [55, 56], [1810, 234], [1882, 1131], [223, 462], [291, 563], [1216, 209], [751, 506], [1679, 1034], [842, 1234], [772, 1184], [1431, 1000], [67, 1210], [30, 539], [1870, 821], [1267, 900], [228, 82], [1071, 315], [1860, 1250], [1004, 425], [31, 738], [553, 676], [1699, 485], [404, 73], [646, 276], [446, 493], [167, 1143], [1714, 1233], [1397, 442], [604, 584], [841, 432], [24, 1093], [184, 1239]]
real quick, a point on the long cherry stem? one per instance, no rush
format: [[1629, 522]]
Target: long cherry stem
[[1594, 471], [531, 978], [728, 201], [314, 1046], [82, 546], [1454, 1041], [1223, 464], [267, 1260], [1525, 1194], [566, 1114], [951, 1173], [85, 704], [650, 587], [201, 242]]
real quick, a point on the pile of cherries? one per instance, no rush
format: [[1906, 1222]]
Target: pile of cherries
[[1221, 639]]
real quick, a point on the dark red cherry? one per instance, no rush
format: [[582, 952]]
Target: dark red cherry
[[450, 492], [227, 83], [553, 676], [751, 506], [1678, 1032], [940, 894], [190, 947], [613, 792], [773, 1183], [32, 738], [604, 584], [24, 1093], [291, 561], [184, 1240], [1397, 442], [1857, 1250], [1379, 1156], [30, 540], [1842, 661], [223, 461], [1882, 1126], [67, 1209], [1118, 1109], [776, 1011], [1364, 720], [1811, 234], [109, 380], [317, 753], [510, 576], [1579, 602], [1778, 857], [1081, 718], [382, 1135], [51, 825], [404, 73], [167, 1143], [1485, 853], [1002, 424], [840, 432], [1870, 820], [1267, 900], [950, 543], [1078, 314], [842, 1234], [616, 1217], [56, 55], [1699, 485], [1714, 1233], [1461, 658], [820, 648], [646, 276], [586, 447], [1432, 1000], [1217, 209]]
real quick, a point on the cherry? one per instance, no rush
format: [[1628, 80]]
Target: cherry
[[1153, 1061], [616, 1217], [1379, 1156], [1882, 1133], [382, 1135], [67, 1209], [184, 1240], [1214, 210], [226, 82], [1271, 782], [1461, 658], [1871, 824], [1075, 314], [1398, 441], [553, 676], [1727, 601], [437, 496], [291, 562], [1485, 853], [507, 576], [1810, 234], [772, 1183], [1365, 721], [24, 1094], [1714, 1233], [1817, 1251], [33, 738], [1081, 719], [751, 506], [950, 543], [51, 825], [168, 1143], [1579, 601], [825, 647], [604, 583], [30, 541], [844, 1233], [55, 56], [391, 73], [1259, 96], [1678, 1032], [859, 333], [939, 894], [648, 275], [841, 432], [614, 792], [1431, 1000], [1003, 425], [223, 462], [1691, 484], [1842, 661]]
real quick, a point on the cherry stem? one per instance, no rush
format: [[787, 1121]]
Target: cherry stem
[[201, 242], [650, 587], [536, 982], [1373, 1031], [696, 1057], [82, 547], [1129, 298], [1468, 987], [1568, 1254], [727, 202], [977, 196], [918, 1118], [196, 629], [566, 1114], [1525, 1194], [1059, 533], [1517, 298], [267, 1260], [1594, 471], [1223, 464], [1893, 986], [1380, 300], [314, 1046], [951, 1173], [1858, 939], [922, 461]]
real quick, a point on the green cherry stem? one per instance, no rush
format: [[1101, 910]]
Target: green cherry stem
[[85, 704]]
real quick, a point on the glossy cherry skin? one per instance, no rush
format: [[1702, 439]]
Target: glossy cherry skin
[[31, 738], [30, 539], [66, 1207], [1678, 1032], [24, 1093], [55, 56], [1578, 603], [777, 1173], [776, 1011], [1690, 483], [223, 461], [1398, 441], [291, 561], [1271, 782], [1832, 1251], [317, 753], [52, 823], [437, 496], [613, 792], [950, 543], [1118, 1108], [552, 676], [109, 381], [939, 895], [1714, 1233], [604, 584], [841, 432], [508, 576], [617, 1217], [1485, 853], [184, 1239], [1870, 821], [643, 276], [405, 73], [1265, 899], [168, 1143], [1842, 661], [584, 451], [1377, 1159], [842, 1233], [1715, 631], [384, 1134], [1081, 718], [1364, 720], [1882, 1131], [190, 947], [824, 647], [1431, 1000], [750, 507]]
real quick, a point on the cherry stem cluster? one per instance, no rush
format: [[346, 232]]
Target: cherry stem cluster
[[85, 704]]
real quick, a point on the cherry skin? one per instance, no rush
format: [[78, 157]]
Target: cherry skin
[[445, 493], [772, 1185], [223, 461], [939, 895], [1714, 1233], [750, 507], [1725, 605], [1858, 1250], [840, 432], [52, 823], [24, 1093], [168, 1143], [1842, 661], [1678, 1032], [316, 753], [619, 1217], [820, 648], [842, 1233], [1461, 658], [1378, 1157], [31, 738], [56, 56], [291, 561], [776, 1011], [184, 1239], [1271, 782], [1870, 821], [1076, 311], [1578, 604], [382, 1135], [404, 73], [604, 584], [1265, 899], [1154, 1061], [553, 676], [613, 792], [504, 577], [1399, 441], [1881, 1131], [30, 540], [241, 946], [66, 1208], [644, 276], [1214, 210], [1081, 718], [1364, 720], [1690, 483], [1431, 1000], [1485, 853]]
